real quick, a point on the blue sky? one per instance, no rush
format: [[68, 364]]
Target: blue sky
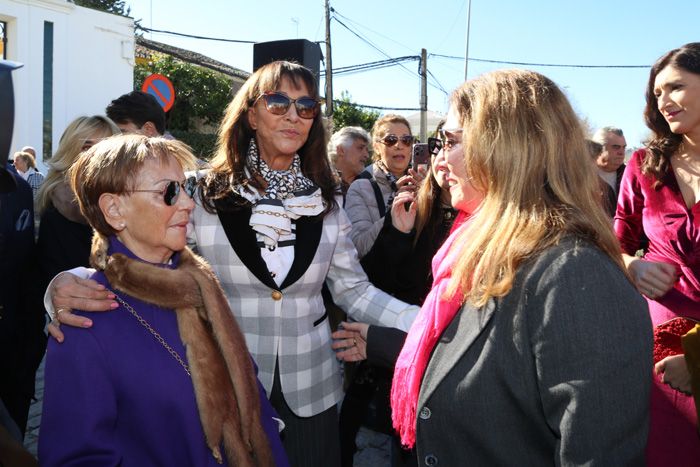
[[594, 32]]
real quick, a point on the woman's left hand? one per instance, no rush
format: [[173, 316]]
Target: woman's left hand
[[403, 219], [674, 372], [349, 343]]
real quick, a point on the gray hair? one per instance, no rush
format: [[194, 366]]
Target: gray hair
[[600, 135], [345, 137]]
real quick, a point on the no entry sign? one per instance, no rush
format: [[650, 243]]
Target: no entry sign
[[161, 88]]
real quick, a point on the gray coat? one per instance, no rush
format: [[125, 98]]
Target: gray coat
[[557, 372], [363, 212]]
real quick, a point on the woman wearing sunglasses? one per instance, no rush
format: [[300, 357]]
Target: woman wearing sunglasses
[[371, 195], [148, 383], [268, 220], [398, 263], [533, 346]]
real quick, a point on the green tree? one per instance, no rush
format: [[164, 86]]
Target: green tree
[[118, 7], [347, 113], [200, 93], [201, 96]]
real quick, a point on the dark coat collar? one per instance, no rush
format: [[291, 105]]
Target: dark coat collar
[[461, 333], [243, 241]]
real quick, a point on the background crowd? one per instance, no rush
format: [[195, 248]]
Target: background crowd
[[527, 289]]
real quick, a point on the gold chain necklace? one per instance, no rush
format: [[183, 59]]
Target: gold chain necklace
[[158, 337]]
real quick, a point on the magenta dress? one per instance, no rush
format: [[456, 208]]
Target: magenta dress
[[673, 231]]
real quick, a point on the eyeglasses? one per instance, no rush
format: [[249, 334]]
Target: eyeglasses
[[171, 192], [391, 140], [278, 103], [434, 146], [448, 142]]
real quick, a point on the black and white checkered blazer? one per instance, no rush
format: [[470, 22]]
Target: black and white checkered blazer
[[288, 324]]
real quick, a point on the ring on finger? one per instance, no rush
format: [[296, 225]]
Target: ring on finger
[[61, 310]]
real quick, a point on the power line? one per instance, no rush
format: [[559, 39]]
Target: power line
[[440, 87], [373, 65], [367, 41], [192, 36], [377, 107], [452, 57], [557, 65], [363, 39], [372, 30]]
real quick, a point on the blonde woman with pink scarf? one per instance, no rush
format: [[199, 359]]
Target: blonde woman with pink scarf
[[533, 347]]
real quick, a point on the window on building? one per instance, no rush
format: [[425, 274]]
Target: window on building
[[48, 91], [3, 40]]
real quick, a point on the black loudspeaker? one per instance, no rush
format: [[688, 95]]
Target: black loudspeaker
[[303, 52]]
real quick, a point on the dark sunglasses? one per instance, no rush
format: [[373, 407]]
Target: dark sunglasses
[[278, 103], [434, 146], [391, 139], [171, 192]]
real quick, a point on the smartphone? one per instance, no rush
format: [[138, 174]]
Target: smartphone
[[420, 157]]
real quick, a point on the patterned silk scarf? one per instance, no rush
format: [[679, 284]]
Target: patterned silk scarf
[[288, 196]]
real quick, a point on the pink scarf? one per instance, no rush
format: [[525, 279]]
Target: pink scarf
[[432, 320]]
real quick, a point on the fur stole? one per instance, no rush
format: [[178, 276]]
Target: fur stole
[[222, 370]]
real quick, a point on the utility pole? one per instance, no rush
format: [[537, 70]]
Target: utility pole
[[329, 66], [466, 51], [423, 95]]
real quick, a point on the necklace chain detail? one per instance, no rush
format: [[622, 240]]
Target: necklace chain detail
[[155, 334]]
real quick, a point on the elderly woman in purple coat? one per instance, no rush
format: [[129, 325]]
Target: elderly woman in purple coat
[[165, 378]]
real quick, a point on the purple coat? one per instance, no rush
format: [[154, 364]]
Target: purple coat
[[115, 396]]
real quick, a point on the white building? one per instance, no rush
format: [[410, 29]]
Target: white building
[[76, 60], [432, 122]]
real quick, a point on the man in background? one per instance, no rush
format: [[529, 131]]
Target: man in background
[[611, 161], [348, 151], [137, 113]]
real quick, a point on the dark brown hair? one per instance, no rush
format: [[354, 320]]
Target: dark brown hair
[[664, 143], [235, 134]]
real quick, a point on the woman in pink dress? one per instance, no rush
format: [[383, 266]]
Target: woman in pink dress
[[659, 201]]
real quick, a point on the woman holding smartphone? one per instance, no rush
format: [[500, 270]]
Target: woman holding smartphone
[[370, 196]]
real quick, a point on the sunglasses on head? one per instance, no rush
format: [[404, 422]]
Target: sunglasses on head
[[434, 146], [391, 139], [171, 192], [278, 103]]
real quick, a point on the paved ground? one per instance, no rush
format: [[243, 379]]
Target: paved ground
[[32, 436], [374, 449]]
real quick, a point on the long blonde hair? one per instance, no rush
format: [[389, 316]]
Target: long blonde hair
[[69, 148], [525, 150]]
